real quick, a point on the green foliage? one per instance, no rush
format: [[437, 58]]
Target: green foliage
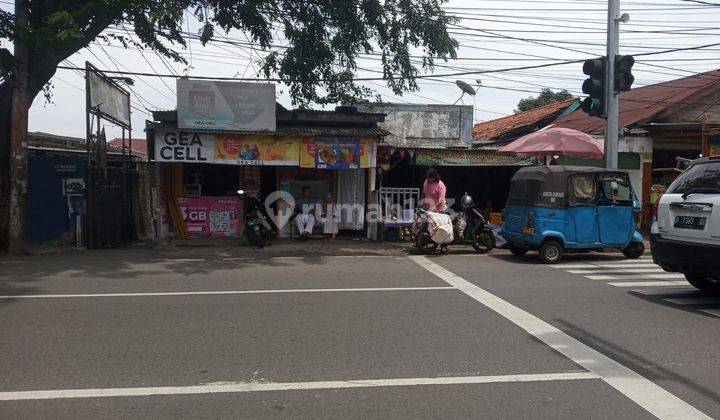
[[323, 37], [546, 97]]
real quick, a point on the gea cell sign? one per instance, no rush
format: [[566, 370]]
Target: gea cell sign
[[179, 146], [225, 106]]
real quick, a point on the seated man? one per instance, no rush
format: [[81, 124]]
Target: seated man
[[304, 217]]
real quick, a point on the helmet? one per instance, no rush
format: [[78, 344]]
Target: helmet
[[466, 202]]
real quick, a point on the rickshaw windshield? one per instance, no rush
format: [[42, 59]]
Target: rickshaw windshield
[[614, 189], [582, 190]]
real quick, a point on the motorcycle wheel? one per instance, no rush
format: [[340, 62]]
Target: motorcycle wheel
[[484, 241], [424, 244]]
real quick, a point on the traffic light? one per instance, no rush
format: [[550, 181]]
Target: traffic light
[[623, 77], [594, 87]]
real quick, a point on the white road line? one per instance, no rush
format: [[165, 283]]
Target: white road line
[[694, 301], [713, 312], [234, 387], [638, 276], [178, 259], [656, 400], [610, 266], [618, 270], [228, 292], [649, 283]]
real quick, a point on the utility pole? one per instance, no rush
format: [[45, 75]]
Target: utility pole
[[611, 97], [19, 135]]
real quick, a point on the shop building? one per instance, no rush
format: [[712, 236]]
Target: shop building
[[198, 171]]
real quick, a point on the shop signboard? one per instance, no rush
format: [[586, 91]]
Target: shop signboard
[[211, 216], [172, 145], [225, 106], [337, 153], [465, 158]]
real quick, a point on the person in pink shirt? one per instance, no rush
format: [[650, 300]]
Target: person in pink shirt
[[434, 192]]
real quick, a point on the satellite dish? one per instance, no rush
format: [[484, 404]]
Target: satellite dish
[[465, 87]]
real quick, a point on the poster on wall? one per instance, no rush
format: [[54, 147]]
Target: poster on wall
[[341, 153], [211, 216], [225, 106]]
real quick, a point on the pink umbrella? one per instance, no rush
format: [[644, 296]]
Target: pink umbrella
[[556, 141]]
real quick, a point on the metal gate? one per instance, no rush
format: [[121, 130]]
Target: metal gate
[[110, 220]]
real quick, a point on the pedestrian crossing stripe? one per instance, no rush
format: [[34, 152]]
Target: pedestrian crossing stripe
[[616, 270], [649, 283], [621, 276]]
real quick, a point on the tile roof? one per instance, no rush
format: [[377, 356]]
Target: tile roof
[[497, 129], [139, 146], [643, 104]]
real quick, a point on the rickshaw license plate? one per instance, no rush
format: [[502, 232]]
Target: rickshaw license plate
[[529, 230], [690, 222]]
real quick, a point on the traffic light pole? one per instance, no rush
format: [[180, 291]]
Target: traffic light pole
[[611, 97]]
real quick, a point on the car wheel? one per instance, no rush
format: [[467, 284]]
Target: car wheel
[[551, 251], [634, 250], [517, 251], [704, 282]]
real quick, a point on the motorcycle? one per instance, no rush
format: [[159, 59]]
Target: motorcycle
[[257, 231], [469, 228]]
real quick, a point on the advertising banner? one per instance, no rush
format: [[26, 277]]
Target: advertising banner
[[108, 99], [225, 106], [256, 150], [341, 153], [181, 146], [211, 216]]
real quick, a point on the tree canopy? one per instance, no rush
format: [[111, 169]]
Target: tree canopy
[[322, 38], [546, 97]]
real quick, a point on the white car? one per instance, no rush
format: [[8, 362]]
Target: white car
[[685, 235]]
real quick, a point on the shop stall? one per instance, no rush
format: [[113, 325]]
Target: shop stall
[[199, 172]]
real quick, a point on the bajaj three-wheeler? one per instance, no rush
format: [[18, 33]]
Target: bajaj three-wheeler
[[558, 208]]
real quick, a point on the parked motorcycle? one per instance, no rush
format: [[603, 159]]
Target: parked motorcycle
[[469, 228], [258, 230]]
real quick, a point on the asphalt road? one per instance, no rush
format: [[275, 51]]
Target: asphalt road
[[357, 333]]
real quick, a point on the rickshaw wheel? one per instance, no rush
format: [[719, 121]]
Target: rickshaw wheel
[[634, 250], [551, 251]]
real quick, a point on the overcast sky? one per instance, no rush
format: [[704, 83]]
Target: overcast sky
[[493, 34]]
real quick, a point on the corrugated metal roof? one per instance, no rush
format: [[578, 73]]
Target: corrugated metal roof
[[495, 129], [641, 105], [303, 131]]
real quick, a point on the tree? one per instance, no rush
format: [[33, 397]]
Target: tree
[[324, 39], [546, 97]]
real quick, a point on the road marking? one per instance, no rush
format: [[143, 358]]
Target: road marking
[[694, 301], [228, 292], [236, 387], [649, 283], [656, 400], [178, 259], [713, 312], [603, 265], [620, 276], [678, 292], [618, 270]]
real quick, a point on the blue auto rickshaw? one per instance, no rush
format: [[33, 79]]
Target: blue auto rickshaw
[[558, 208]]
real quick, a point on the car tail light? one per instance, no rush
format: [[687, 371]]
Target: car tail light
[[530, 218], [655, 209]]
